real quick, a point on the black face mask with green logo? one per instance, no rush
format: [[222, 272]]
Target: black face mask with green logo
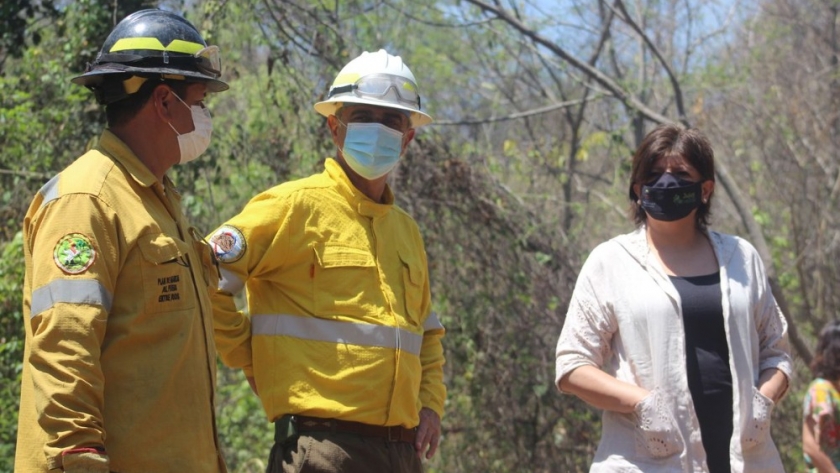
[[670, 198]]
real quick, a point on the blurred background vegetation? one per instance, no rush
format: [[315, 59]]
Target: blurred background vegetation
[[538, 106]]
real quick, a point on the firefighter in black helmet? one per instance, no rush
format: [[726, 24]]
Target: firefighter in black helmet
[[151, 44], [119, 364]]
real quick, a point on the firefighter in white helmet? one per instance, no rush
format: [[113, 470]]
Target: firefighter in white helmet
[[341, 344]]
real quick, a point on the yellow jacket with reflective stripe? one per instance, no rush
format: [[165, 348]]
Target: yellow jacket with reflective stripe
[[338, 295], [119, 355]]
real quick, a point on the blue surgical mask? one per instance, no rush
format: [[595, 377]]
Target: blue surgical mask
[[670, 198], [372, 150]]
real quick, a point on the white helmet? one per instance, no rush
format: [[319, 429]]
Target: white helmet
[[375, 79]]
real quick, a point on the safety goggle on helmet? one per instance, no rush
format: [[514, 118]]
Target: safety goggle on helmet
[[378, 86], [378, 79], [209, 61]]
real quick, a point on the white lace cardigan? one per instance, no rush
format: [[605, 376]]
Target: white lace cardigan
[[625, 317]]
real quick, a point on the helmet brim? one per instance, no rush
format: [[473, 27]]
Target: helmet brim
[[97, 76], [329, 107]]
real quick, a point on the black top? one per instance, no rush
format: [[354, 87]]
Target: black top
[[707, 364]]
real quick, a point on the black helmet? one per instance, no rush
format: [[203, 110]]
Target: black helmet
[[151, 43]]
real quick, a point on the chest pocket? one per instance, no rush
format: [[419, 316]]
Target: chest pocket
[[414, 277], [345, 281], [167, 283]]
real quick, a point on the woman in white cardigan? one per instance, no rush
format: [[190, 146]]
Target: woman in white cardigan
[[672, 329]]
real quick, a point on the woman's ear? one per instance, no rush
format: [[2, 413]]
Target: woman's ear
[[707, 189], [637, 191]]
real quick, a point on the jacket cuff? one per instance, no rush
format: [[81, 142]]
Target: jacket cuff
[[433, 402], [85, 460]]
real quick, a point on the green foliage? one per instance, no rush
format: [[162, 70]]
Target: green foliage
[[11, 343], [19, 24], [28, 127], [595, 142], [244, 432], [86, 23]]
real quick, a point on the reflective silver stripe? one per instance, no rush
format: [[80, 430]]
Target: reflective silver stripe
[[70, 291], [49, 190], [432, 323], [350, 333], [229, 282]]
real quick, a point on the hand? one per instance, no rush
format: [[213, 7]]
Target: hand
[[602, 390], [428, 433]]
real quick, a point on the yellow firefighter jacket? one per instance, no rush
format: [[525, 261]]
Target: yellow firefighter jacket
[[338, 295], [119, 351]]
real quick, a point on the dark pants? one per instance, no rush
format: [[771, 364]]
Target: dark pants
[[326, 452]]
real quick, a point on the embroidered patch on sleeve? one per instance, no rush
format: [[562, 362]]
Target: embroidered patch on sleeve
[[74, 253], [228, 243]]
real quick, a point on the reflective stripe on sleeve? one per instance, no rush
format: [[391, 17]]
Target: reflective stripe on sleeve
[[350, 333], [70, 291], [49, 190], [229, 282], [432, 323]]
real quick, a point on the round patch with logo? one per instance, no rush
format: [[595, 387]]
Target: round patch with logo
[[228, 244], [74, 253]]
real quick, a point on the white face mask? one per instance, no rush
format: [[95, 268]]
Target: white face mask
[[194, 143]]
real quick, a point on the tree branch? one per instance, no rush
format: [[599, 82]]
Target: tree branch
[[594, 73], [675, 83], [514, 116]]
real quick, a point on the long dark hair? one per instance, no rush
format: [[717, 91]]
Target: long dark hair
[[826, 362]]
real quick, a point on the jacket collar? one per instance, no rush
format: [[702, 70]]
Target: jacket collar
[[635, 243], [114, 147], [362, 203]]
